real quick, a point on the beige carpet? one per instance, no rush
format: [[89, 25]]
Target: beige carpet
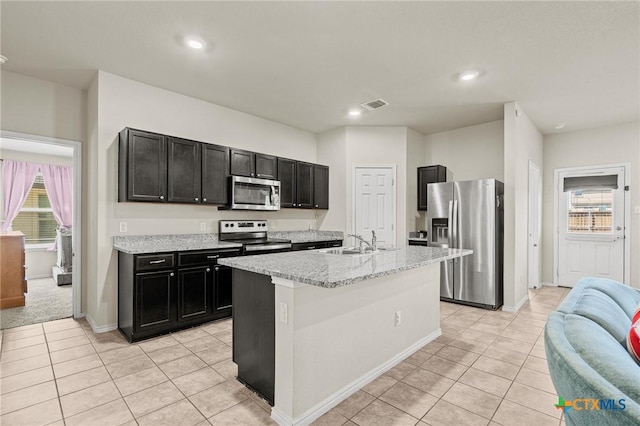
[[45, 301]]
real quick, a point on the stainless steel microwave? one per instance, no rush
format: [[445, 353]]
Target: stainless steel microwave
[[254, 194]]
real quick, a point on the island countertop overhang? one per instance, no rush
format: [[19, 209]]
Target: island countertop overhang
[[332, 270]]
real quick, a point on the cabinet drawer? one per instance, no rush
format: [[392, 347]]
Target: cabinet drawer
[[336, 243], [204, 257], [309, 246], [157, 261]]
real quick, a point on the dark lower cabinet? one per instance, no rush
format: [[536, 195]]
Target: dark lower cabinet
[[165, 292], [155, 302], [194, 292]]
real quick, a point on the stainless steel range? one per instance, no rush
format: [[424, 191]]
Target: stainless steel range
[[252, 234]]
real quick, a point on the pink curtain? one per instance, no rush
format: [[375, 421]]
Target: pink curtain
[[58, 181], [17, 179]]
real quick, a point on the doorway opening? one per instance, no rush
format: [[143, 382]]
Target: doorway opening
[[374, 204], [48, 214], [591, 217]]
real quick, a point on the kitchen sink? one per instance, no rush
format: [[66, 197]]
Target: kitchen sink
[[355, 250]]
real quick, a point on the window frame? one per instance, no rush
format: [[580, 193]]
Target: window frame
[[39, 246]]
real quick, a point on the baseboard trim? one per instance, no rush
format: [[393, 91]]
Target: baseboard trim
[[514, 309], [39, 277], [102, 328], [337, 397]]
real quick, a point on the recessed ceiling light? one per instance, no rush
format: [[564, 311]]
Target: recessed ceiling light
[[560, 126], [3, 59], [468, 75], [195, 43], [354, 112]]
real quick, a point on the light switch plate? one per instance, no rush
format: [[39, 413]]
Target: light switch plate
[[203, 226], [284, 313]]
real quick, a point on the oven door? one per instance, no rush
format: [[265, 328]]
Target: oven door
[[254, 194]]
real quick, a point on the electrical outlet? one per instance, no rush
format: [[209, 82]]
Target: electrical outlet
[[123, 226], [284, 313], [398, 318], [203, 226]]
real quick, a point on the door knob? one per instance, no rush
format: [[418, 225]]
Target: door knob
[[618, 228]]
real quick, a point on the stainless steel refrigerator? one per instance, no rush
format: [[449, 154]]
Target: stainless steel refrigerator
[[469, 215]]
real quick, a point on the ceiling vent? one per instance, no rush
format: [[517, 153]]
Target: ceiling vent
[[371, 105]]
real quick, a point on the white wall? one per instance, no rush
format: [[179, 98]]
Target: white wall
[[468, 153], [371, 146], [125, 103], [40, 107], [605, 145], [331, 150], [522, 142], [415, 158]]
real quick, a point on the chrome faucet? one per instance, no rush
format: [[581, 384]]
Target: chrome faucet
[[372, 245], [374, 241]]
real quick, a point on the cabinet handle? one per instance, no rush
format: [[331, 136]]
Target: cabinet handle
[[204, 199], [311, 248], [316, 205], [171, 274], [162, 197], [213, 257], [216, 268], [196, 198], [259, 175], [253, 174], [153, 262], [208, 269]]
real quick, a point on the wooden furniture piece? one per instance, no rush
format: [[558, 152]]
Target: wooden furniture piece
[[13, 284]]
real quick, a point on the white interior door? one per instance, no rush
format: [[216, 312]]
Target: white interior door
[[375, 206], [591, 224], [535, 197]]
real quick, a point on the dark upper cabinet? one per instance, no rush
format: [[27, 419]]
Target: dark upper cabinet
[[142, 170], [215, 171], [243, 163], [287, 178], [427, 175], [304, 185], [251, 164], [320, 187], [183, 171], [266, 166]]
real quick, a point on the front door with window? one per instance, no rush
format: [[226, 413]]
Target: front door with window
[[591, 223]]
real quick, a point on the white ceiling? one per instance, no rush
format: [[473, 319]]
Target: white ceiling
[[305, 63]]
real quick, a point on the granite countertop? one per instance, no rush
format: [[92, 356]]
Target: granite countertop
[[333, 270], [137, 244], [307, 236]]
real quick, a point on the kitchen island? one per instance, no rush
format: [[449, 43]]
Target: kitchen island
[[311, 328]]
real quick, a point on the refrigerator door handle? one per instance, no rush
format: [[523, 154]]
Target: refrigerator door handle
[[456, 239], [450, 227]]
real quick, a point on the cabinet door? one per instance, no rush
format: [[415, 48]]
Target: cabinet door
[[427, 175], [194, 292], [266, 166], [183, 171], [222, 282], [320, 187], [304, 187], [154, 299], [287, 178], [242, 163], [146, 166], [215, 173]]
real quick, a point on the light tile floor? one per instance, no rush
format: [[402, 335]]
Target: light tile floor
[[487, 368]]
